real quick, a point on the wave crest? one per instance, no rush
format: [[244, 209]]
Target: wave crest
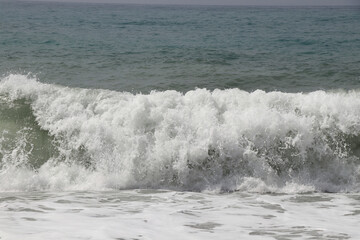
[[200, 140]]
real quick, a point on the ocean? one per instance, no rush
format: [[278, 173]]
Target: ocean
[[179, 122]]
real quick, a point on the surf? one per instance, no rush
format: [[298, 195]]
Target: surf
[[61, 138]]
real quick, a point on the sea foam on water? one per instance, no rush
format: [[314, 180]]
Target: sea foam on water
[[222, 140]]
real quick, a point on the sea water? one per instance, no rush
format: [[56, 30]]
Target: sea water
[[173, 122]]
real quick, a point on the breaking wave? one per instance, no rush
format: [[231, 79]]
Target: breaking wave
[[61, 138]]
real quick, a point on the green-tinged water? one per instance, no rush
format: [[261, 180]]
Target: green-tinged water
[[22, 141]]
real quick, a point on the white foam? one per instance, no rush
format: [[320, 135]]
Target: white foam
[[177, 215], [199, 140]]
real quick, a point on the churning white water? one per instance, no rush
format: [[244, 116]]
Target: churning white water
[[221, 140]]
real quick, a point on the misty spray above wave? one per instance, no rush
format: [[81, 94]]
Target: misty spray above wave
[[62, 138]]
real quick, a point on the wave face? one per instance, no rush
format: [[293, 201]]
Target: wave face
[[60, 138]]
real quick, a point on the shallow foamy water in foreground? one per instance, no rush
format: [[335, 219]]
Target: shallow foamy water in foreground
[[158, 214]]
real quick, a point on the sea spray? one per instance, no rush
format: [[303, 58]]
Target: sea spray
[[226, 140]]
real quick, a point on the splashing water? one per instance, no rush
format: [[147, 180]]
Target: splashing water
[[69, 138]]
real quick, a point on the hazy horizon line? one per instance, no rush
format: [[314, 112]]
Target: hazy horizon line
[[189, 3]]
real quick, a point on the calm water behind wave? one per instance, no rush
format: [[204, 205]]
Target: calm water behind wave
[[143, 48]]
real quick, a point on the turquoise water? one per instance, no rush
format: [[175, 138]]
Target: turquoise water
[[142, 48]]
